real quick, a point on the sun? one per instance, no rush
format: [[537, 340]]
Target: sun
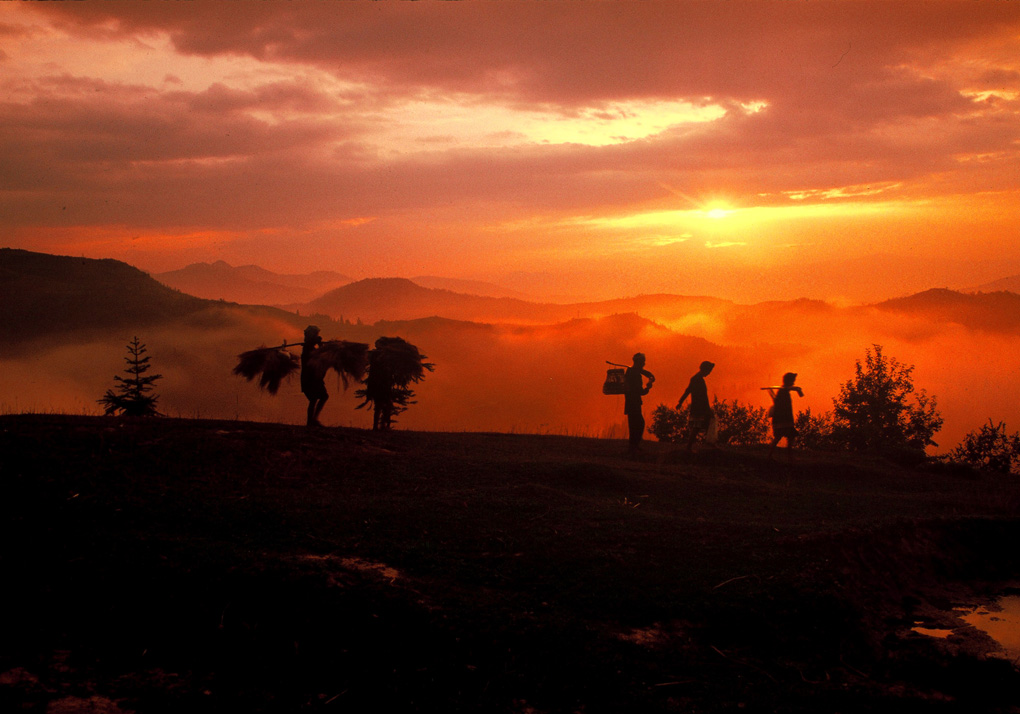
[[717, 213]]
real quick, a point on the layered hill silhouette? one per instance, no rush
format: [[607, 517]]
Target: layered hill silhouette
[[1011, 284], [402, 299], [44, 294], [992, 312], [250, 284], [502, 363]]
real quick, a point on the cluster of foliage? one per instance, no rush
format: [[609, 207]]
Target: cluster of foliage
[[739, 424], [393, 366], [132, 396], [815, 432], [990, 448], [879, 409]]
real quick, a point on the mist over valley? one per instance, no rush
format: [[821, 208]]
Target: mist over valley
[[502, 363]]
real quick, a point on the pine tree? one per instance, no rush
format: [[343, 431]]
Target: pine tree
[[132, 397]]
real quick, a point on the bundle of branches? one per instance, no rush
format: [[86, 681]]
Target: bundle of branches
[[392, 366], [349, 359], [271, 365]]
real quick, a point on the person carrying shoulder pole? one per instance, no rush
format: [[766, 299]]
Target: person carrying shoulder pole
[[783, 424], [634, 388]]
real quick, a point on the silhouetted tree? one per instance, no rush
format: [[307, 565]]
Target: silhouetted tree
[[132, 397], [393, 365], [990, 448], [879, 410]]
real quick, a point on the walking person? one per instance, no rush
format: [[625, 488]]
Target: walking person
[[702, 418], [783, 424], [633, 389], [313, 380]]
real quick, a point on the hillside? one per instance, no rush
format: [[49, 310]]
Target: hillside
[[44, 294], [991, 312], [177, 565]]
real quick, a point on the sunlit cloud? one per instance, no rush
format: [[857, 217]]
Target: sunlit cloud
[[524, 137]]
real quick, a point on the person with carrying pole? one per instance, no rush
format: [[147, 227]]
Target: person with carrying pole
[[781, 411], [273, 365], [634, 389]]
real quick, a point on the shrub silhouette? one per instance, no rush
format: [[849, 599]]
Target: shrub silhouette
[[815, 432], [739, 424], [879, 410], [990, 448], [132, 397]]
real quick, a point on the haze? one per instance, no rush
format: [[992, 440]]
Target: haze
[[847, 151]]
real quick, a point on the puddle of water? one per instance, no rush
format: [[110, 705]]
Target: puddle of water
[[937, 633], [1001, 623]]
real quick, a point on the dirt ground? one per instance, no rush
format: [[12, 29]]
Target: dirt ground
[[165, 565]]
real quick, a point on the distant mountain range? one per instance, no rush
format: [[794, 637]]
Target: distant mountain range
[[988, 311], [250, 284], [254, 285], [502, 362], [1011, 284], [45, 293], [401, 299]]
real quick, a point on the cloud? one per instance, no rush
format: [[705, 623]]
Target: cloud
[[449, 122]]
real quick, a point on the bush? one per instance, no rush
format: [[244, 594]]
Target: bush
[[990, 449], [669, 425], [739, 424], [815, 432], [874, 410], [742, 424]]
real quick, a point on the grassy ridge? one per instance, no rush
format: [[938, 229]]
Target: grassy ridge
[[176, 565]]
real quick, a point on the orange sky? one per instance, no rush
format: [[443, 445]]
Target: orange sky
[[764, 150]]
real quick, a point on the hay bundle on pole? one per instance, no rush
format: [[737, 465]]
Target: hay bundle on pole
[[271, 365], [348, 359]]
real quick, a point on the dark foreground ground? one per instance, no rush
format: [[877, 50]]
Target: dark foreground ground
[[195, 566]]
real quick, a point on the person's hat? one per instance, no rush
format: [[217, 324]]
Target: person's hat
[[311, 330], [639, 357], [789, 377], [707, 365]]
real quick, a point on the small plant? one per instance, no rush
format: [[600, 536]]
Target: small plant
[[990, 448], [132, 397]]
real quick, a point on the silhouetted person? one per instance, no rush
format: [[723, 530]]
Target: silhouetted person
[[783, 424], [313, 381], [633, 389], [701, 416]]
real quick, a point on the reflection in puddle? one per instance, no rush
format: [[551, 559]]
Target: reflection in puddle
[[933, 632], [1001, 623]]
